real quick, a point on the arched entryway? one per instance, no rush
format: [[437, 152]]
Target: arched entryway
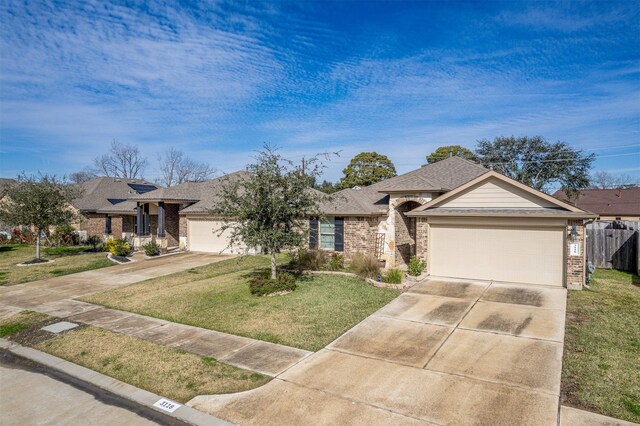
[[405, 234]]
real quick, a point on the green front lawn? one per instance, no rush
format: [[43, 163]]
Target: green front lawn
[[601, 368], [173, 373], [217, 297], [68, 260]]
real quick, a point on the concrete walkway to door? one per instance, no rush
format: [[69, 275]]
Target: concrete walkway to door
[[442, 353]]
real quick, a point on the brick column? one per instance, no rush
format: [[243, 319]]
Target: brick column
[[161, 219], [575, 264], [422, 239], [139, 225]]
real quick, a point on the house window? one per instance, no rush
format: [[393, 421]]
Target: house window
[[327, 234]]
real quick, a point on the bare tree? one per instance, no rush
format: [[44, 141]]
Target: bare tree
[[176, 168], [605, 180], [122, 160], [82, 176]]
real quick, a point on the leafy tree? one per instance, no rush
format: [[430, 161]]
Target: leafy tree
[[268, 208], [536, 162], [326, 187], [124, 161], [444, 152], [176, 168], [39, 203], [605, 180], [366, 169]]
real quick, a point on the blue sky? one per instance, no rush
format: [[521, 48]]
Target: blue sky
[[218, 79]]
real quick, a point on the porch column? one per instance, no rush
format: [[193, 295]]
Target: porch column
[[139, 224], [161, 215], [147, 222], [107, 224]]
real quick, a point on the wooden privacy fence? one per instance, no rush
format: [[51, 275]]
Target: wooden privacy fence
[[613, 248]]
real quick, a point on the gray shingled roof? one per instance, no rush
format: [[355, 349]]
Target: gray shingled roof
[[203, 195], [442, 176], [125, 207], [104, 192]]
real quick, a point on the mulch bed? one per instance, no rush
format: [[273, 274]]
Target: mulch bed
[[33, 262]]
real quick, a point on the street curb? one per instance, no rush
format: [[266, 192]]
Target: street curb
[[123, 390]]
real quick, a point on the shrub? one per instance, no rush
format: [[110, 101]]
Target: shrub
[[23, 236], [262, 284], [365, 265], [66, 236], [415, 267], [393, 276], [151, 249], [311, 260], [94, 241], [336, 262], [5, 238], [118, 246]]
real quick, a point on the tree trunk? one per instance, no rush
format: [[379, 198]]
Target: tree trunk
[[38, 244], [273, 265]]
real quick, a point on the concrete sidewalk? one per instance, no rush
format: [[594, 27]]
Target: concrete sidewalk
[[266, 358], [55, 296]]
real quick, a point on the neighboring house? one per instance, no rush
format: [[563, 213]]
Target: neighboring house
[[179, 216], [104, 208], [608, 204], [463, 220]]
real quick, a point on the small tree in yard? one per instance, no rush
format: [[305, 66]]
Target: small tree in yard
[[268, 208], [39, 203]]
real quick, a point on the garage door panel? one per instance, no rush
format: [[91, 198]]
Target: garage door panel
[[514, 254], [204, 236]]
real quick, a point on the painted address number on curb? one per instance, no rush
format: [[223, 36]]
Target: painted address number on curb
[[166, 405]]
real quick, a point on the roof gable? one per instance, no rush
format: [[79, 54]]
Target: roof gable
[[373, 199], [493, 191]]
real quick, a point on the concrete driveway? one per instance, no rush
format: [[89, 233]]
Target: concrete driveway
[[442, 353], [54, 295]]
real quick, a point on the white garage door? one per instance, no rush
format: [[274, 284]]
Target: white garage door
[[203, 235], [514, 254]]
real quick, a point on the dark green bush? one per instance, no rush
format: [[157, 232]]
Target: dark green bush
[[65, 236], [94, 241], [336, 262], [262, 284], [308, 260], [365, 265], [393, 276], [151, 249], [415, 267]]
